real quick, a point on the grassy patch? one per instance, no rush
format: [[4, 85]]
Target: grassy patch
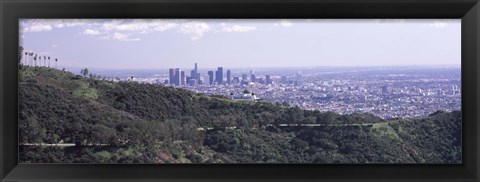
[[103, 154], [27, 73], [385, 130], [128, 152], [88, 93]]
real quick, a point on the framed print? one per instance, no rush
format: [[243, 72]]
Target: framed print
[[257, 91], [239, 91]]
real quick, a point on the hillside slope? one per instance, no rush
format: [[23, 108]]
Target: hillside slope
[[129, 122]]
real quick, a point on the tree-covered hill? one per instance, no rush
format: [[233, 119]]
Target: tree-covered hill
[[127, 122]]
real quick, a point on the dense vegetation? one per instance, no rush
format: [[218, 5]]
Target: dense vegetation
[[127, 122]]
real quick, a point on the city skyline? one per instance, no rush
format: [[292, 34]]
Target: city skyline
[[400, 92], [160, 44]]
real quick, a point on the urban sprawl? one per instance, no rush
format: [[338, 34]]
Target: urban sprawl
[[391, 92]]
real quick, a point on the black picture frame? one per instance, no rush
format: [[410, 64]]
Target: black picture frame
[[467, 10]]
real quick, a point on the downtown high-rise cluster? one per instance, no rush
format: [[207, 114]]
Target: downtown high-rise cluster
[[177, 77]]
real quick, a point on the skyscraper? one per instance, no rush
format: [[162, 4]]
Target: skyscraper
[[219, 75], [172, 76], [182, 78], [196, 68], [229, 77], [244, 77], [197, 74], [177, 77], [268, 80], [210, 77], [254, 78], [193, 75]]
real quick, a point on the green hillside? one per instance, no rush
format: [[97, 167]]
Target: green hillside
[[127, 122]]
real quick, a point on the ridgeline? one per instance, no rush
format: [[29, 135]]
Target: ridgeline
[[66, 118]]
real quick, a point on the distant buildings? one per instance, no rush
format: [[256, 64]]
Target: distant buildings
[[341, 93], [219, 75], [268, 80], [235, 80], [182, 78], [245, 96], [384, 89], [229, 77], [171, 76], [244, 79], [195, 75], [210, 77], [191, 82], [178, 77], [284, 80]]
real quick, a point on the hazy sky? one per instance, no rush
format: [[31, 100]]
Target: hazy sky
[[165, 43]]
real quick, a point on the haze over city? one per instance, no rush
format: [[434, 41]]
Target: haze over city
[[166, 43]]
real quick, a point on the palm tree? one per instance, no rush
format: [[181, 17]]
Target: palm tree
[[26, 54], [31, 61], [48, 61], [40, 61], [45, 61], [56, 60], [85, 72], [28, 60], [35, 59]]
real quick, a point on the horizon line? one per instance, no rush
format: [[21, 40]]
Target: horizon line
[[281, 67]]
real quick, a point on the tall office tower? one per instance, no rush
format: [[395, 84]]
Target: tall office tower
[[210, 77], [254, 78], [251, 72], [196, 69], [268, 81], [177, 76], [219, 75], [244, 77], [193, 75], [229, 77], [182, 78], [172, 76]]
